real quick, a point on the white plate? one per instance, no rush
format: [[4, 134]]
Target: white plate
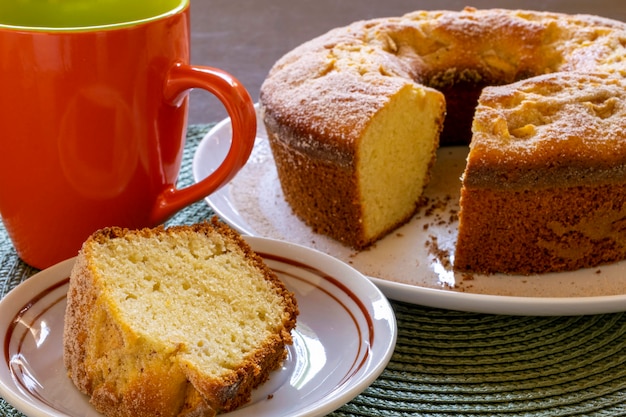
[[412, 264], [344, 338]]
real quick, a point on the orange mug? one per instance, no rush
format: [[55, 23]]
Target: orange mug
[[93, 113]]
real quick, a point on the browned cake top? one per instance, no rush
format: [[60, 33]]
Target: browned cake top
[[325, 91], [550, 130]]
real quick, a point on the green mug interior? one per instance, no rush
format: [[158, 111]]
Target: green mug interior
[[83, 14]]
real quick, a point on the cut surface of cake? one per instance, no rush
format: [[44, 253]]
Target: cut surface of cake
[[183, 321], [544, 188], [394, 159]]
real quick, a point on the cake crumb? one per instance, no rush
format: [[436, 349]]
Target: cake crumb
[[442, 255]]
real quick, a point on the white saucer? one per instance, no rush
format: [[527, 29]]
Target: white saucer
[[413, 263], [344, 338]]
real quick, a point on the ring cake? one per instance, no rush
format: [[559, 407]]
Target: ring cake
[[184, 321], [355, 116]]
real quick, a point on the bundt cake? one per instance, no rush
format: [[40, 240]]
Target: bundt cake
[[183, 321], [354, 117]]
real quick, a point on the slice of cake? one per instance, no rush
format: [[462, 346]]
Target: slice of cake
[[183, 321]]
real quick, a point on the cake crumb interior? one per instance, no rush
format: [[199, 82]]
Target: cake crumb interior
[[395, 156], [153, 292]]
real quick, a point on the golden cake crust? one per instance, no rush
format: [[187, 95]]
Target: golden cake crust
[[565, 129], [127, 371], [325, 91]]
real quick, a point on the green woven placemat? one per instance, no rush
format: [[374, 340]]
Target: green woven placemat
[[450, 363]]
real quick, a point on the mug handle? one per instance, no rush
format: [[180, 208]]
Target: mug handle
[[240, 108]]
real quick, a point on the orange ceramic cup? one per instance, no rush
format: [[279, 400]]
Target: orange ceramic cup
[[93, 112]]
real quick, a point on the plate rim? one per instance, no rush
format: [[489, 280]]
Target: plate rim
[[431, 297], [366, 292]]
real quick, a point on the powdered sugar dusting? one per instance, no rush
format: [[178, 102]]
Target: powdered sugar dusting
[[329, 87]]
